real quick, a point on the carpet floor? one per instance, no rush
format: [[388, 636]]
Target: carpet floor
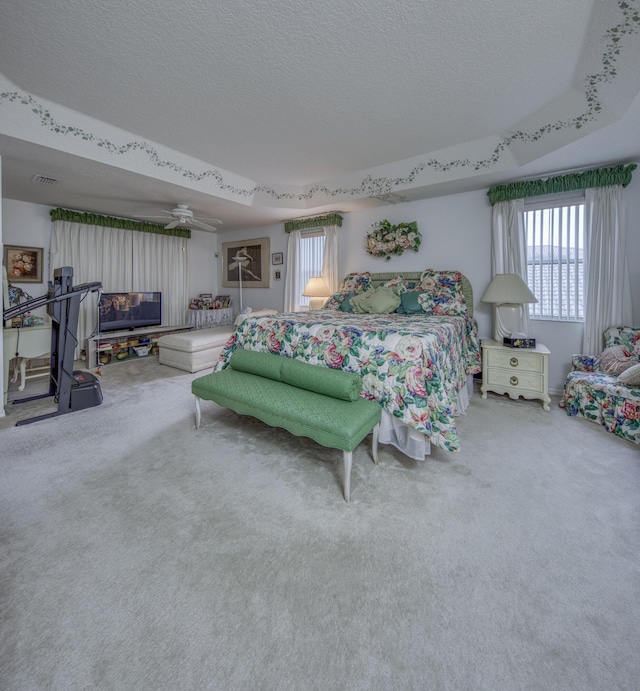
[[138, 553]]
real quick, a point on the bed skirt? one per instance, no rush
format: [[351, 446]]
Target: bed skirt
[[407, 439]]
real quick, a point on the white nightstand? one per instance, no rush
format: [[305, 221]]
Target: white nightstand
[[516, 371]]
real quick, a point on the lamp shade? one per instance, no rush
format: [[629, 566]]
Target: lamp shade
[[316, 288], [508, 288]]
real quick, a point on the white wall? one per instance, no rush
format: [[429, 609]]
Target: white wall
[[456, 234], [257, 298]]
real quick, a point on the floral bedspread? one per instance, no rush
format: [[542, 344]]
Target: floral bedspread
[[414, 365]]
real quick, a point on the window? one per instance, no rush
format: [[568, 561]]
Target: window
[[555, 258], [310, 254]]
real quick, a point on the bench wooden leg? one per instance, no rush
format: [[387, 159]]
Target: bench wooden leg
[[197, 412], [374, 443], [348, 460]]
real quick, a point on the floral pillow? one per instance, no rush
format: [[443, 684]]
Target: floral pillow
[[334, 302], [442, 293], [398, 284], [356, 282], [440, 305]]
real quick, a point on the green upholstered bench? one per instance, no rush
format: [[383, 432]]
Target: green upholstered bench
[[307, 400]]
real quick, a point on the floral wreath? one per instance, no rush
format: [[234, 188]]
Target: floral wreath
[[388, 239]]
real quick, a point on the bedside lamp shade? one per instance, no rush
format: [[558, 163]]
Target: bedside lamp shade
[[318, 291], [507, 292]]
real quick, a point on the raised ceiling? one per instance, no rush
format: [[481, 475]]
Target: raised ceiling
[[254, 111]]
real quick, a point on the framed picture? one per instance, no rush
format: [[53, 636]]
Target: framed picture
[[222, 301], [206, 296], [24, 264], [255, 268], [276, 258], [276, 275]]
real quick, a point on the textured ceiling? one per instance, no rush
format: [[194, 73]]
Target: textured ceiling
[[249, 107]]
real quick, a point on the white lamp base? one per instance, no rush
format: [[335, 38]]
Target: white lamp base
[[317, 303], [507, 319]]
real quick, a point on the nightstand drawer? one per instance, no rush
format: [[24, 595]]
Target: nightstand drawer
[[529, 381], [516, 360]]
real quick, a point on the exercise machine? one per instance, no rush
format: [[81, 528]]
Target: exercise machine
[[71, 390]]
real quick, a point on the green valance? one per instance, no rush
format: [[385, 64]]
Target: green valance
[[313, 222], [111, 222], [598, 177]]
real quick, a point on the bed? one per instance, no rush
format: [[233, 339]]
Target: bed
[[416, 363]]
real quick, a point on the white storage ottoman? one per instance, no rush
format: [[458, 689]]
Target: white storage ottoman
[[193, 351]]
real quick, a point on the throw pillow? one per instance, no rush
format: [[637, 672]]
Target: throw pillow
[[377, 301], [409, 303], [345, 305], [615, 359], [432, 278], [398, 284], [383, 301], [630, 377], [442, 292], [441, 304], [356, 282], [334, 302], [359, 302]]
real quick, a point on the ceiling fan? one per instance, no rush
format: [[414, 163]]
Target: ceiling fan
[[183, 216]]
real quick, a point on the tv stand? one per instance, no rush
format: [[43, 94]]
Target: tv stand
[[117, 346]]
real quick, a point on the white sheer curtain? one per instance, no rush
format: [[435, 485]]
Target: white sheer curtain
[[95, 253], [161, 262], [607, 287], [330, 258], [509, 245], [122, 260], [292, 287]]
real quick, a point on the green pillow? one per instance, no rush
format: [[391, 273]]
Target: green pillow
[[329, 382], [383, 301], [359, 302], [345, 305], [409, 303], [264, 364], [378, 301]]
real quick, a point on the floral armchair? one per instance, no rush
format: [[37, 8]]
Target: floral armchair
[[605, 389]]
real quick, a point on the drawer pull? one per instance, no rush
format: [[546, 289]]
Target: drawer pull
[[513, 362], [514, 381]]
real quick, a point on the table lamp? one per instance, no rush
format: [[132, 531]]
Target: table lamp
[[507, 292], [317, 290]]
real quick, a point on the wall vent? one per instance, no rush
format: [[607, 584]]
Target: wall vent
[[43, 180]]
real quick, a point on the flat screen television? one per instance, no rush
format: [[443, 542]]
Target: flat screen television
[[122, 311]]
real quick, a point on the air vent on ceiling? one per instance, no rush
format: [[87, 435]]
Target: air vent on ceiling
[[43, 180]]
